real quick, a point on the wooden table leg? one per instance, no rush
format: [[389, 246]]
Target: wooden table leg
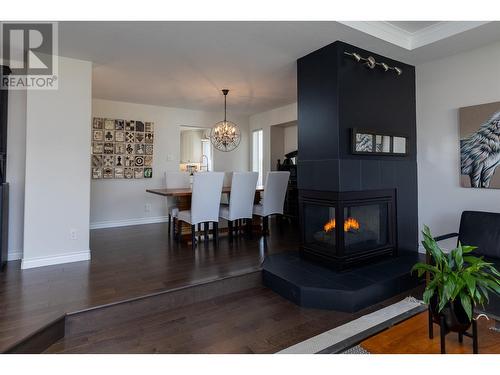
[[205, 235], [184, 229], [256, 220]]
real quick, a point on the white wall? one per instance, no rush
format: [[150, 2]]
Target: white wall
[[277, 146], [123, 202], [283, 139], [57, 191], [267, 119], [443, 86], [291, 139], [16, 158]]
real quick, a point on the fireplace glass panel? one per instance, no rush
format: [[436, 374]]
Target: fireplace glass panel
[[320, 225], [365, 227]]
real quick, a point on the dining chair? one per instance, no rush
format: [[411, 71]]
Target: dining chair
[[241, 199], [273, 198], [175, 180], [205, 202]]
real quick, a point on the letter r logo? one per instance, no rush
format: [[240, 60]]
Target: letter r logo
[[28, 48]]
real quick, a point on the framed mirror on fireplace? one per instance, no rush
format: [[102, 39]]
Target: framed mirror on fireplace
[[343, 229], [367, 142]]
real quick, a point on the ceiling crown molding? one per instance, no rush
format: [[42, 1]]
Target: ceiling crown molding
[[390, 33]]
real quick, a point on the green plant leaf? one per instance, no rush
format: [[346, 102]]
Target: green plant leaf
[[428, 293], [470, 281], [448, 287], [458, 256], [484, 294], [424, 267], [450, 258], [467, 249], [443, 300], [471, 259], [493, 285], [466, 304], [431, 246], [459, 285], [493, 270]]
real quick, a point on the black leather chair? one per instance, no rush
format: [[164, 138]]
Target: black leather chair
[[481, 229]]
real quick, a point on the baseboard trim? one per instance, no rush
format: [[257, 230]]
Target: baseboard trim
[[128, 222], [14, 255], [56, 259]]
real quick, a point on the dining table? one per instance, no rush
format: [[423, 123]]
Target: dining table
[[183, 197]]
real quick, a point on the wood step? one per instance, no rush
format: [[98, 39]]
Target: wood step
[[114, 314]]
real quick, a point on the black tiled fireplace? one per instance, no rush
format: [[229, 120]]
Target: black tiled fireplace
[[348, 228], [358, 212], [354, 207]]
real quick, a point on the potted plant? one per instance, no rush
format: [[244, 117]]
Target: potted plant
[[458, 281]]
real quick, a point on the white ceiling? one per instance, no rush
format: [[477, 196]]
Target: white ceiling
[[185, 64], [413, 26]]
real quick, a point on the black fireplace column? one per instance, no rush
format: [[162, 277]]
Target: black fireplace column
[[336, 95]]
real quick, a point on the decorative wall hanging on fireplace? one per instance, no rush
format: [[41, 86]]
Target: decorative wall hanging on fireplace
[[122, 149], [480, 145], [366, 142]]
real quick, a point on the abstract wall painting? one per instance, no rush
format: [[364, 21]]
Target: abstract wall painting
[[480, 146], [119, 147]]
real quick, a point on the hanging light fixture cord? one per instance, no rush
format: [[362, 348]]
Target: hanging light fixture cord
[[225, 92]]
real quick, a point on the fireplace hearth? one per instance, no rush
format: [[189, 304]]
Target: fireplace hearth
[[367, 226]]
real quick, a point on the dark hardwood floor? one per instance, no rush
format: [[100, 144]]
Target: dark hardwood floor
[[126, 262], [252, 321]]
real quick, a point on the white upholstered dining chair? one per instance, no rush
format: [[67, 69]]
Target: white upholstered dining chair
[[205, 202], [241, 199], [274, 197], [175, 180]]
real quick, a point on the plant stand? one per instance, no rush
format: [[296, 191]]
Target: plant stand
[[443, 331]]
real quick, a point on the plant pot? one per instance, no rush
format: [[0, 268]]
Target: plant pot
[[455, 317]]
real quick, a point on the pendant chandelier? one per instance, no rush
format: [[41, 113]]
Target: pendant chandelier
[[225, 135]]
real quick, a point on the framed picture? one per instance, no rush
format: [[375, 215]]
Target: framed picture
[[121, 149], [479, 145], [366, 142]]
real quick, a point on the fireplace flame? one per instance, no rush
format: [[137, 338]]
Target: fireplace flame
[[350, 224], [328, 227]]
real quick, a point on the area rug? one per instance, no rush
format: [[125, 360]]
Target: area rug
[[358, 349], [347, 336]]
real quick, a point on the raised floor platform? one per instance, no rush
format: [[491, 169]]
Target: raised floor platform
[[309, 284], [127, 263]]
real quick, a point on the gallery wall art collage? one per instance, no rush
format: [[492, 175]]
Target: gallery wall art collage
[[122, 149]]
